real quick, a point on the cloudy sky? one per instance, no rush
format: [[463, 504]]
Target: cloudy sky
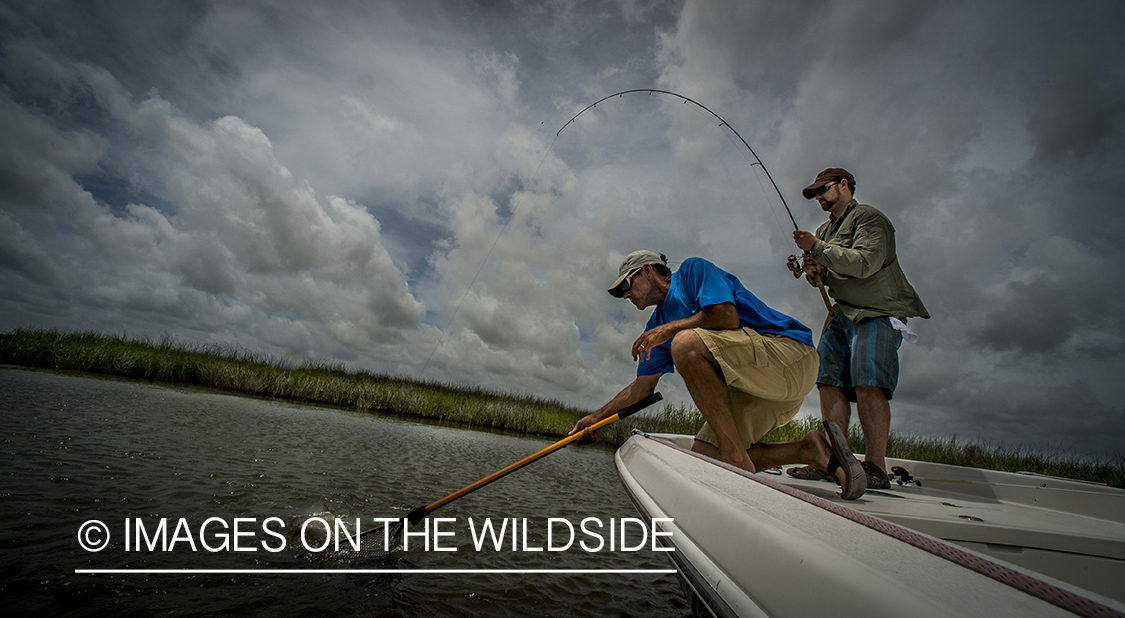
[[380, 183]]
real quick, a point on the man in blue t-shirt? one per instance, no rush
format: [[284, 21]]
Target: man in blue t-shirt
[[746, 366]]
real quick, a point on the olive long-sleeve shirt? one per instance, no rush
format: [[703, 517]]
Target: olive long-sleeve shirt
[[857, 249]]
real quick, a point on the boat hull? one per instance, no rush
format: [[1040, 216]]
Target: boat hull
[[748, 545]]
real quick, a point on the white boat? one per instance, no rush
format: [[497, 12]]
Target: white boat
[[963, 542]]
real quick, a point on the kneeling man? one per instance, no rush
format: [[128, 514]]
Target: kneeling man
[[746, 366]]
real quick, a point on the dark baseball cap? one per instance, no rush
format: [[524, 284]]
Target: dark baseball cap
[[825, 177]]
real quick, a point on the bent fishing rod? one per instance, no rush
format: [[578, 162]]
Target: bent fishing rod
[[792, 263], [722, 123]]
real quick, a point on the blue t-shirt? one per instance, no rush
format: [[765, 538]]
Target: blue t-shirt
[[699, 284]]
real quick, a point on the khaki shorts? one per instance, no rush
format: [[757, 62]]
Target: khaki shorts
[[767, 377]]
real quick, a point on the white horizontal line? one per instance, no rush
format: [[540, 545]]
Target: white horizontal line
[[367, 571]]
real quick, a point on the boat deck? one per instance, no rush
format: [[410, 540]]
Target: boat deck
[[1066, 533]]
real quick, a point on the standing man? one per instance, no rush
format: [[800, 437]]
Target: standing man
[[746, 366], [854, 252]]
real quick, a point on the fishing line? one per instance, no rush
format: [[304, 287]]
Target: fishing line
[[773, 211], [757, 179]]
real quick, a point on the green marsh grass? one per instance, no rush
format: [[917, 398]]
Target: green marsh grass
[[332, 384]]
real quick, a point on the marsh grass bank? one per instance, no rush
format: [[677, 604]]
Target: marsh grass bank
[[332, 384]]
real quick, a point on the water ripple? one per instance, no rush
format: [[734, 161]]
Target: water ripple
[[77, 448]]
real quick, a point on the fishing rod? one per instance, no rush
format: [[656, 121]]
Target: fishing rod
[[792, 263], [723, 123]]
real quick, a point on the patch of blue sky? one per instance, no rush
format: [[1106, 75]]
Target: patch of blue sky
[[117, 193], [408, 234]]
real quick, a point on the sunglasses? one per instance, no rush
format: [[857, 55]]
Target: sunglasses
[[821, 191], [628, 282], [824, 189]]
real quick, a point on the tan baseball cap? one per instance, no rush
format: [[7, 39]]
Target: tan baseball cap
[[633, 261]]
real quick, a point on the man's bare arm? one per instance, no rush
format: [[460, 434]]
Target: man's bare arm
[[716, 317], [638, 389]]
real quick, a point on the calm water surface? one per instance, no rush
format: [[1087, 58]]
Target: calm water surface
[[76, 448]]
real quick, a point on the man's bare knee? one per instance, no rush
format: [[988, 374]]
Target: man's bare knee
[[705, 448], [827, 390], [688, 343]]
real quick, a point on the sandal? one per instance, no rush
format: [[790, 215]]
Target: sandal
[[810, 473], [855, 481], [876, 478]]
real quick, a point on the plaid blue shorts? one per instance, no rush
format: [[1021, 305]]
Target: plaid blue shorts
[[863, 354]]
